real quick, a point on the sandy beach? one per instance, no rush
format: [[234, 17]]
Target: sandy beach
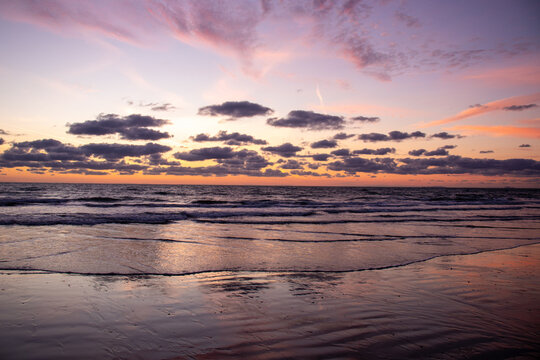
[[476, 306]]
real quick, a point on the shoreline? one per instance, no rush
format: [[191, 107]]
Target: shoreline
[[475, 305]]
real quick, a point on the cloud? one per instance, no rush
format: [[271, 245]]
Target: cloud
[[461, 165], [444, 165], [365, 119], [501, 130], [525, 146], [131, 127], [235, 110], [486, 108], [308, 120], [2, 132], [380, 151], [353, 165], [207, 154], [114, 152], [292, 164], [341, 152], [154, 106], [408, 20], [320, 157], [1, 141], [392, 135], [230, 139], [324, 144], [486, 151], [445, 136], [342, 136], [442, 151], [285, 150], [55, 156], [519, 107]]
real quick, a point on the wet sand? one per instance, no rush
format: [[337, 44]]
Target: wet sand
[[480, 306]]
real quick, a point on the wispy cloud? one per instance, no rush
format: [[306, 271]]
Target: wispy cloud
[[502, 130], [486, 108]]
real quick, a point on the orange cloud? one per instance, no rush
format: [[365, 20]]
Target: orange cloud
[[526, 132], [489, 107]]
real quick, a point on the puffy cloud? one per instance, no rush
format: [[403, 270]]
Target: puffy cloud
[[445, 136], [354, 165], [235, 110], [461, 165], [366, 119], [308, 120], [324, 144], [342, 136], [519, 107], [207, 154], [341, 152], [443, 165], [380, 151], [230, 139], [131, 127], [442, 151], [292, 164], [320, 157], [114, 152], [392, 135], [285, 150]]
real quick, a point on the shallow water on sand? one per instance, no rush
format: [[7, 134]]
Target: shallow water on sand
[[475, 306]]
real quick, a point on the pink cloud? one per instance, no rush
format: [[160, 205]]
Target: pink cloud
[[486, 108], [525, 132]]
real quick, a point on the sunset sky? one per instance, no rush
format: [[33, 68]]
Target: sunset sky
[[378, 93]]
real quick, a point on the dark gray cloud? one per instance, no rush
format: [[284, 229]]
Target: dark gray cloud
[[284, 150], [461, 165], [380, 151], [519, 107], [320, 157], [232, 139], [2, 132], [292, 164], [324, 144], [1, 141], [235, 110], [114, 152], [154, 106], [366, 119], [442, 151], [308, 173], [354, 165], [206, 154], [131, 127], [445, 136], [443, 165], [341, 152], [524, 145], [392, 135], [342, 136], [486, 151], [308, 120]]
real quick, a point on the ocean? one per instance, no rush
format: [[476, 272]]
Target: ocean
[[242, 244]]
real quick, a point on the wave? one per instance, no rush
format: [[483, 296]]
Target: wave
[[30, 269]]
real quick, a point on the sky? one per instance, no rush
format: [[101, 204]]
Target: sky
[[353, 93]]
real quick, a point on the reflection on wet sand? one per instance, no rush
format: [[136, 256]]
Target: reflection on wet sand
[[476, 306]]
